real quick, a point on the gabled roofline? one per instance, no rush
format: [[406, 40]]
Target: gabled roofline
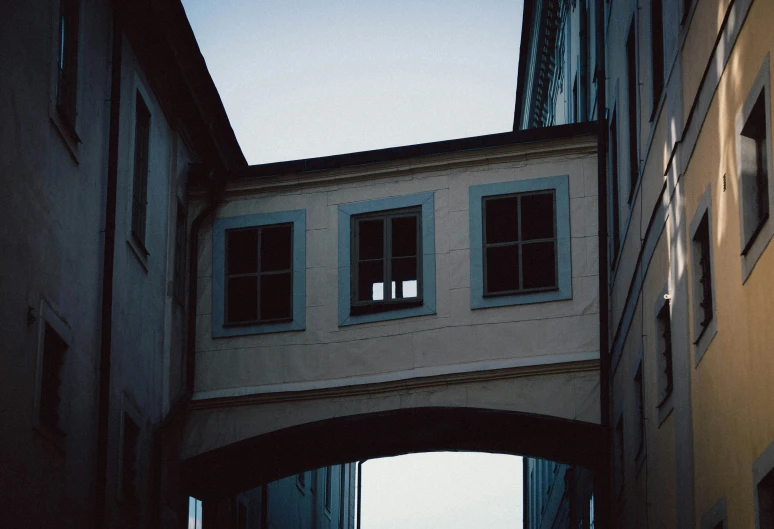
[[489, 141]]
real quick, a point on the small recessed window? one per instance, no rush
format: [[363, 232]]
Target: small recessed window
[[140, 182], [618, 454], [519, 235], [386, 260], [259, 274], [328, 488], [342, 495], [49, 409], [131, 436], [664, 350], [703, 276], [180, 238], [755, 175]]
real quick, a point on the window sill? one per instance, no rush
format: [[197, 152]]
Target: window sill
[[228, 330], [665, 409], [139, 251], [755, 247], [704, 340], [67, 133]]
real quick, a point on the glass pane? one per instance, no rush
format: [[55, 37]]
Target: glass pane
[[538, 265], [276, 295], [502, 220], [371, 239], [537, 216], [242, 299], [370, 281], [276, 248], [404, 236], [502, 268], [404, 278], [242, 248]]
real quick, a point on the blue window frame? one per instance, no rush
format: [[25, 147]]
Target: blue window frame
[[294, 220], [425, 203], [516, 192]]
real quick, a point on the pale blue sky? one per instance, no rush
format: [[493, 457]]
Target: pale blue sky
[[304, 78], [443, 490]]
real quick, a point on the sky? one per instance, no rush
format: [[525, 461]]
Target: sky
[[443, 490], [307, 78]]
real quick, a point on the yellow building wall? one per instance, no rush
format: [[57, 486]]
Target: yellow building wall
[[732, 389]]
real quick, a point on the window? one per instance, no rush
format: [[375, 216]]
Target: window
[[67, 60], [632, 110], [241, 518], [701, 241], [520, 242], [386, 250], [54, 350], [657, 53], [342, 495], [140, 185], [755, 177], [259, 273], [53, 338], [615, 221], [664, 350], [194, 513], [301, 479], [386, 259], [130, 438], [704, 316], [180, 246], [754, 168], [327, 489], [715, 518]]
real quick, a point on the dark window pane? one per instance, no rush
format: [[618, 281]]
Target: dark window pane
[[275, 248], [242, 299], [404, 236], [404, 278], [538, 265], [537, 216], [276, 296], [242, 251], [502, 222], [502, 268], [370, 281], [371, 239]]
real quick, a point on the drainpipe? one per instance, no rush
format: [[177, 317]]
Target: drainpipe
[[603, 492], [103, 402]]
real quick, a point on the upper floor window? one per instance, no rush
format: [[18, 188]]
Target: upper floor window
[[664, 350], [386, 260], [702, 280], [129, 452], [140, 181], [754, 168], [67, 59], [259, 273], [656, 52], [520, 242], [54, 351]]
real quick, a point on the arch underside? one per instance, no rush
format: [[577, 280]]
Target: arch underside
[[264, 458]]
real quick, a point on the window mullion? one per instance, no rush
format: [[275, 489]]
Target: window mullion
[[387, 258], [258, 275], [518, 234]]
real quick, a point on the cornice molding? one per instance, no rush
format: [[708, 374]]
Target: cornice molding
[[358, 387]]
